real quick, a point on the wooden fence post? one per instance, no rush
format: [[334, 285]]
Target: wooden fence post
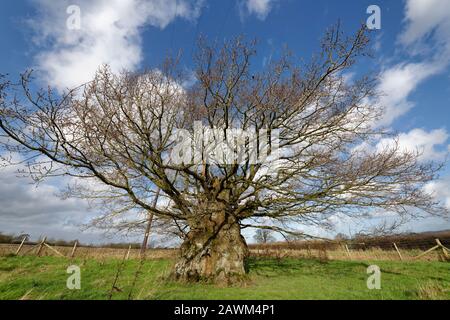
[[444, 251], [41, 245], [21, 245], [74, 249], [398, 251], [149, 225], [348, 251], [128, 253], [54, 250], [427, 252]]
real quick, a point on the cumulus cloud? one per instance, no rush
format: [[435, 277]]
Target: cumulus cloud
[[440, 189], [260, 8], [424, 17], [110, 33], [426, 39], [427, 26], [396, 85], [37, 210], [430, 144]]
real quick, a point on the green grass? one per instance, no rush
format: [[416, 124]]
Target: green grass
[[268, 279]]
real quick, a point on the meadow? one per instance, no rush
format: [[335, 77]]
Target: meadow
[[44, 278]]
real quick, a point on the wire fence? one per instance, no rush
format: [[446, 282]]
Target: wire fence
[[371, 249], [387, 248]]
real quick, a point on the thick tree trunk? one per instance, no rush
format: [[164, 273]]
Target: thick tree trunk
[[214, 250]]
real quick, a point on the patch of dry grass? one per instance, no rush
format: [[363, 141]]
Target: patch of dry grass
[[357, 255], [103, 254], [432, 290], [90, 252]]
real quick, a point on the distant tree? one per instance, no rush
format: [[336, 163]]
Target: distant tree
[[293, 237], [6, 238], [263, 236], [341, 236], [21, 236]]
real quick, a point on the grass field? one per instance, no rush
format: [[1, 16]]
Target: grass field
[[30, 277]]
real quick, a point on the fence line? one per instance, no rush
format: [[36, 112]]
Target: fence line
[[351, 250]]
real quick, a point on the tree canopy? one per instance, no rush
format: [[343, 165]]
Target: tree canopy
[[291, 143]]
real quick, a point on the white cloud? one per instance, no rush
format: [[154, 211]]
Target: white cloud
[[110, 33], [440, 189], [260, 8], [426, 35], [425, 16], [430, 144], [396, 85], [37, 209]]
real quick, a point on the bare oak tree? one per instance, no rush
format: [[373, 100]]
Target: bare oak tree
[[263, 236], [121, 132]]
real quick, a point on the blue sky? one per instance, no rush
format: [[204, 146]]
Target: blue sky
[[411, 55]]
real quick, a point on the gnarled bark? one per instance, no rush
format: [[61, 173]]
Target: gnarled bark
[[214, 249]]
